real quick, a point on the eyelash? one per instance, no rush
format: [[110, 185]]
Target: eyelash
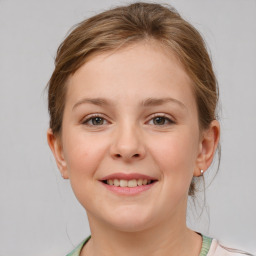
[[169, 120], [90, 118]]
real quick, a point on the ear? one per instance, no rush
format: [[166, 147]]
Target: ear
[[207, 147], [57, 150]]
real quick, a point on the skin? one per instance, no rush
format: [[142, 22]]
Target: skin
[[129, 139]]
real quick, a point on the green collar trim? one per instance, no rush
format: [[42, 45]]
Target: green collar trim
[[77, 250], [207, 241]]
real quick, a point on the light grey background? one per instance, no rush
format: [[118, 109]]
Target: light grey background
[[39, 214]]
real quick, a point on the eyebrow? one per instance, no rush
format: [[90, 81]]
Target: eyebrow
[[156, 102], [94, 101], [146, 103]]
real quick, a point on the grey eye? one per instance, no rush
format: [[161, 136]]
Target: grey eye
[[159, 120], [97, 121]]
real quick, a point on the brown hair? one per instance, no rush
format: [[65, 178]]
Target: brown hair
[[125, 25]]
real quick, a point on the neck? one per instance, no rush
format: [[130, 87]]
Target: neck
[[167, 238]]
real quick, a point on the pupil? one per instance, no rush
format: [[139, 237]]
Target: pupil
[[159, 120], [97, 120]]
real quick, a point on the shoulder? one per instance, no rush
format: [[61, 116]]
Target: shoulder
[[217, 249]]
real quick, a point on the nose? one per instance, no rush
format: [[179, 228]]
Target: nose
[[128, 144]]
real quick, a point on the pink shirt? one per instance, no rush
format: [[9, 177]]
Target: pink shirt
[[218, 250]]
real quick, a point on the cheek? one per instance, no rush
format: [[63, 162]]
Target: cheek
[[175, 154], [176, 158], [83, 153]]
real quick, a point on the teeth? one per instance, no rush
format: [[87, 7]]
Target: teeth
[[123, 183], [128, 183], [110, 182], [132, 183], [116, 182]]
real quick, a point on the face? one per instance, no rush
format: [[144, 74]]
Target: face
[[130, 118]]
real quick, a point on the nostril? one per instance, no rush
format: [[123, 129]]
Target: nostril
[[126, 156]]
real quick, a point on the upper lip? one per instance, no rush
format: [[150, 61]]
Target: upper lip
[[124, 176]]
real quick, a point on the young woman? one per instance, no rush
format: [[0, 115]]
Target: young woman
[[132, 104]]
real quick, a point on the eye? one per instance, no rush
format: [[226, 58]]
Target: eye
[[95, 120], [160, 120]]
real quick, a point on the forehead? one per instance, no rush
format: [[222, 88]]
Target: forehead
[[144, 69]]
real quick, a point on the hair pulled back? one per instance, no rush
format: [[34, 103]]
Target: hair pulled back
[[121, 26]]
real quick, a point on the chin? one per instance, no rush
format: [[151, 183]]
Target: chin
[[130, 226], [130, 220]]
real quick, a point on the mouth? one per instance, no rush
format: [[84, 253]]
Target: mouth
[[128, 184]]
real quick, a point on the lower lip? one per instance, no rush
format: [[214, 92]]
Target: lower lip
[[128, 191]]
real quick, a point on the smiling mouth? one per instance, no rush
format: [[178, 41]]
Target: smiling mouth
[[128, 183], [132, 184]]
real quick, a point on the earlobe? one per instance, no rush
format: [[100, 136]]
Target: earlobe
[[208, 145], [56, 148]]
